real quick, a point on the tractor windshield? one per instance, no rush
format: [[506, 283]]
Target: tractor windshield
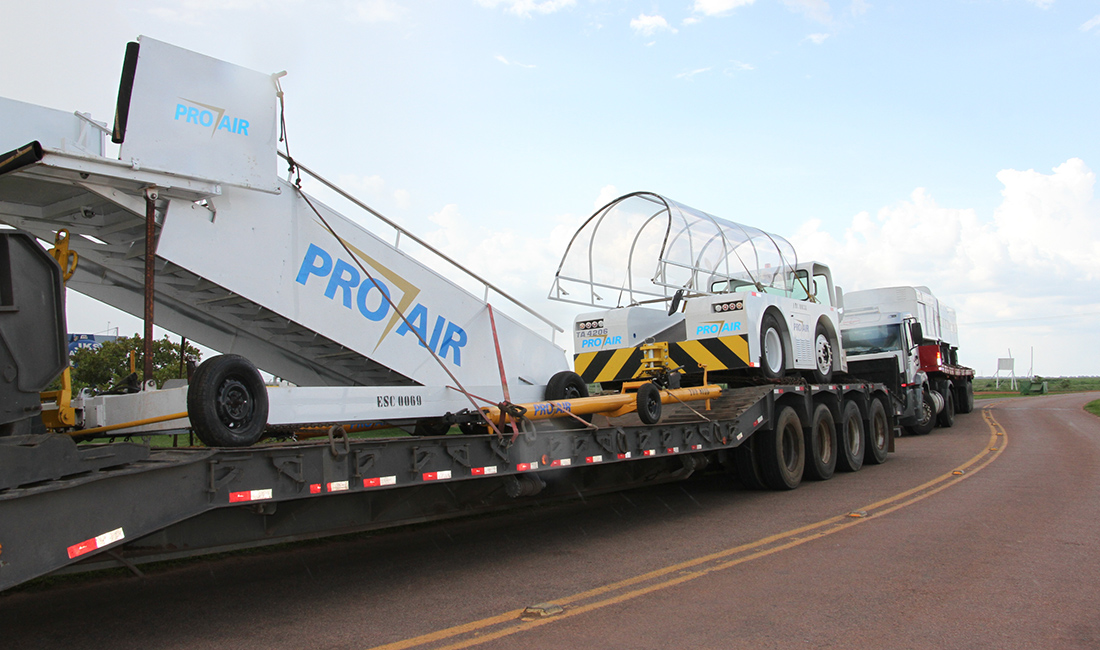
[[643, 247]]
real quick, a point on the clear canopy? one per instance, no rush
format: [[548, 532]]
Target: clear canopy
[[643, 247]]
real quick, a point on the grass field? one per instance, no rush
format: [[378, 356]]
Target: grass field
[[987, 386], [1093, 407]]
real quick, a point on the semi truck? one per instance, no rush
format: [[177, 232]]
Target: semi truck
[[907, 339], [191, 222]]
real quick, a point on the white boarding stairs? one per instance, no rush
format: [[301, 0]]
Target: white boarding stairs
[[244, 262]]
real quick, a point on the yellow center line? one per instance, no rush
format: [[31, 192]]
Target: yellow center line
[[689, 570]]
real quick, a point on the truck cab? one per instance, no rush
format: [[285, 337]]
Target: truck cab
[[905, 338]]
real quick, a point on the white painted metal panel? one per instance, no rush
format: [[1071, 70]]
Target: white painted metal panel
[[273, 250], [197, 116]]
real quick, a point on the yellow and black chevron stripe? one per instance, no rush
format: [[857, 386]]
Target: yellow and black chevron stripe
[[724, 353]]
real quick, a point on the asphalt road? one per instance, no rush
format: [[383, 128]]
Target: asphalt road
[[963, 539]]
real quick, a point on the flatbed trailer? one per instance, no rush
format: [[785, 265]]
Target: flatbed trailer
[[67, 507]]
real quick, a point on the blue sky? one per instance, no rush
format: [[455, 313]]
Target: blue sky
[[949, 143]]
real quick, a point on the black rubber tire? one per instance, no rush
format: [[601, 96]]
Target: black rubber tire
[[567, 385], [744, 462], [649, 404], [426, 427], [850, 439], [877, 436], [227, 402], [769, 324], [823, 356], [946, 418], [965, 403], [821, 445], [928, 422], [781, 451]]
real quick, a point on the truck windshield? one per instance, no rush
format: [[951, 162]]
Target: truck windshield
[[871, 340]]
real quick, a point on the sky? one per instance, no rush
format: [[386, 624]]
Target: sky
[[945, 143]]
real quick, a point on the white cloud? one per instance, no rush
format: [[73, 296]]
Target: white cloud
[[859, 7], [608, 193], [1037, 257], [524, 8], [691, 73], [1093, 22], [649, 25], [718, 7], [739, 66], [816, 39], [817, 10], [505, 61], [690, 20], [533, 254], [1042, 4], [377, 11]]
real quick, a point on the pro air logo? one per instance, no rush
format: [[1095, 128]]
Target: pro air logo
[[343, 283], [211, 117]]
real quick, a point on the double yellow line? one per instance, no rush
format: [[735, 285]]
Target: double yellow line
[[514, 622]]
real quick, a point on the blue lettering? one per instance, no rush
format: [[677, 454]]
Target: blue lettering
[[439, 321], [338, 281], [226, 124], [731, 327], [242, 127], [590, 343], [383, 307], [454, 340], [316, 262], [616, 340], [418, 318], [181, 111], [192, 115], [206, 118]]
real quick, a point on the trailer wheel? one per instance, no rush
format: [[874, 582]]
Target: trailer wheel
[[227, 402], [966, 398], [821, 445], [745, 465], [946, 418], [431, 427], [781, 452], [878, 434], [773, 359], [823, 356], [927, 420], [649, 403], [567, 385], [850, 439]]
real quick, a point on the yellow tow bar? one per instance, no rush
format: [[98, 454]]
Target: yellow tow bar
[[646, 401]]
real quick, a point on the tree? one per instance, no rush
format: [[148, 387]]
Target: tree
[[109, 365]]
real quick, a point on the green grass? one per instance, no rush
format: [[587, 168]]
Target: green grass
[[1055, 384], [1093, 407]]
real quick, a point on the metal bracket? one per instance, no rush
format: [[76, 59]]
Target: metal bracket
[[363, 460], [500, 448], [461, 454], [421, 458], [290, 467], [666, 438], [613, 441], [216, 484]]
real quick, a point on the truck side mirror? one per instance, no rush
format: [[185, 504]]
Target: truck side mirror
[[916, 332], [839, 303]]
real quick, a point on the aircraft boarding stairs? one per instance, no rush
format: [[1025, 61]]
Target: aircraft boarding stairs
[[245, 262]]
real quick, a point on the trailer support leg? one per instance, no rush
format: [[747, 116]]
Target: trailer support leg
[[150, 222]]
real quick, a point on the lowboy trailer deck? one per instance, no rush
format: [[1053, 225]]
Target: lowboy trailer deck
[[122, 504]]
